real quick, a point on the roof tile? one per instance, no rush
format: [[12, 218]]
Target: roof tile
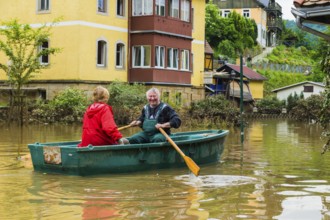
[[310, 3]]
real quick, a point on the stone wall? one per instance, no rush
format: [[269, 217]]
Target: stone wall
[[48, 90]]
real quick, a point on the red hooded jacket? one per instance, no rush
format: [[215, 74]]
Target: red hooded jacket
[[99, 127]]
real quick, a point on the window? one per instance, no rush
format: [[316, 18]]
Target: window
[[185, 10], [225, 13], [184, 59], [141, 56], [43, 5], [101, 53], [174, 8], [308, 88], [159, 56], [120, 7], [172, 58], [142, 7], [44, 59], [166, 97], [120, 50], [246, 13], [178, 98], [102, 6], [160, 7]]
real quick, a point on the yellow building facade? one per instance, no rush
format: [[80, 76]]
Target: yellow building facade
[[94, 40]]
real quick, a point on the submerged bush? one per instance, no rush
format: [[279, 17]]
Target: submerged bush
[[216, 109], [308, 109], [270, 105], [68, 105], [126, 100]]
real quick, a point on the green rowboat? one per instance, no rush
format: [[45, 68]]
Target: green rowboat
[[66, 158]]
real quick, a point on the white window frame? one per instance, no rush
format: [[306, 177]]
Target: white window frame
[[160, 7], [185, 10], [174, 8], [101, 53], [184, 65], [246, 13], [44, 59], [225, 13], [120, 55], [160, 57], [172, 58], [43, 5], [102, 6], [120, 9], [141, 56], [142, 7]]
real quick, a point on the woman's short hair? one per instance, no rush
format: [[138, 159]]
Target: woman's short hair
[[154, 90], [100, 94]]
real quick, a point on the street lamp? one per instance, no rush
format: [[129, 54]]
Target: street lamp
[[232, 76], [241, 98]]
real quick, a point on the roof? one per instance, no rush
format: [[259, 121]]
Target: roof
[[247, 72], [309, 3], [263, 2], [312, 11], [298, 84], [208, 48]]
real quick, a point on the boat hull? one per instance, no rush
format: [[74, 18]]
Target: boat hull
[[66, 158]]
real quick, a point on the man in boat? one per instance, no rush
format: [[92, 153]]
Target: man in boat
[[99, 127], [154, 115]]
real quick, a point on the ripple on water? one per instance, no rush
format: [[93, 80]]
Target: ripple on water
[[216, 181]]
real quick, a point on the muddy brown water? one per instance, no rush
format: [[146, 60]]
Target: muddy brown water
[[277, 173]]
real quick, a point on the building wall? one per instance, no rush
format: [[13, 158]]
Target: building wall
[[285, 93], [77, 32], [198, 49], [257, 89]]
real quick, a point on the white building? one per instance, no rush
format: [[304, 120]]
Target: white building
[[308, 88]]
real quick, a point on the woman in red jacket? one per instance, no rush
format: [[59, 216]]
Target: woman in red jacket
[[99, 127]]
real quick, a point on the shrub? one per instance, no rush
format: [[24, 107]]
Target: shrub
[[68, 105], [270, 105], [292, 100], [215, 109], [126, 100], [308, 109]]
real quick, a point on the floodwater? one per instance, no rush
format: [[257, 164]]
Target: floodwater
[[277, 173]]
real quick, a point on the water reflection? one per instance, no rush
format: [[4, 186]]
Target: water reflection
[[278, 173]]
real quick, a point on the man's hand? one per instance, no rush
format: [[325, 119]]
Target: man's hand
[[135, 123], [165, 125]]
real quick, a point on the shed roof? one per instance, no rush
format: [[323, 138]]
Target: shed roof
[[247, 72], [298, 84]]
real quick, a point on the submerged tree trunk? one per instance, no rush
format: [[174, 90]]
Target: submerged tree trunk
[[17, 107]]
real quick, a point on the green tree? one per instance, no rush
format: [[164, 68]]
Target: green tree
[[229, 36], [20, 43], [214, 25], [325, 111]]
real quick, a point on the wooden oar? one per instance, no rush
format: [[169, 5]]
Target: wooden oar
[[194, 168], [124, 127]]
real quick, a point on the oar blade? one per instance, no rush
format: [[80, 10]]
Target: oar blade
[[194, 168]]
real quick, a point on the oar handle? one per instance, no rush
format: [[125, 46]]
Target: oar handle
[[124, 127], [172, 142]]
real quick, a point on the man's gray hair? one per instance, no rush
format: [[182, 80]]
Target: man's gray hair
[[154, 90]]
